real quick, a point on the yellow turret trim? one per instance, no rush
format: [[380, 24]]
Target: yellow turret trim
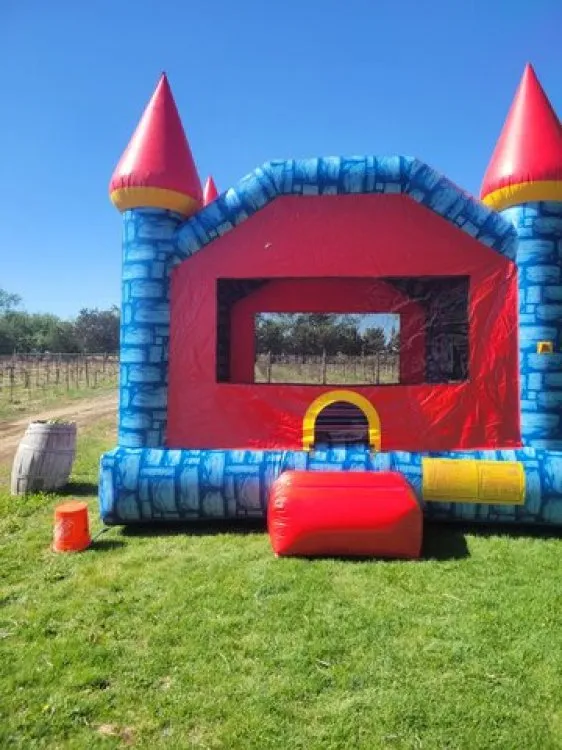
[[154, 197], [524, 192], [326, 399]]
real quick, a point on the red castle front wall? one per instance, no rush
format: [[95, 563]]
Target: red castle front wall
[[355, 239]]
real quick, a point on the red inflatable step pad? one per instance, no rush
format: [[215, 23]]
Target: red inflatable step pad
[[353, 513]]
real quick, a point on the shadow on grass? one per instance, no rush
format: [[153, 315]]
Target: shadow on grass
[[445, 540], [441, 542], [445, 543], [79, 489], [103, 545], [487, 529], [197, 528]]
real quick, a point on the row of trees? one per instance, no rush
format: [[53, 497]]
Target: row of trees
[[92, 331], [315, 333]]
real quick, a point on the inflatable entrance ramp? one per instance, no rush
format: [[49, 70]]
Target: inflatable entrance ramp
[[360, 514]]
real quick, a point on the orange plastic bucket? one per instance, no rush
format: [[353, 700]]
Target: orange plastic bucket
[[72, 528]]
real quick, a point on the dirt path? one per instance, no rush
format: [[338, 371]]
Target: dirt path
[[83, 412]]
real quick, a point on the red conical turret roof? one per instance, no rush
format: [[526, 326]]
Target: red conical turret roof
[[157, 168], [527, 162], [210, 191]]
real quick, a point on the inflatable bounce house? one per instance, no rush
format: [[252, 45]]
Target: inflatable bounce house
[[469, 423]]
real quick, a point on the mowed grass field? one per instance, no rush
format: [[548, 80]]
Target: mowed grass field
[[159, 638]]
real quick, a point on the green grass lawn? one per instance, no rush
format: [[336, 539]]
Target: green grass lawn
[[169, 639]]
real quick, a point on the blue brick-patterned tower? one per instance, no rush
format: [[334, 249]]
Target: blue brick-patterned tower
[[539, 259], [157, 187], [524, 183], [148, 257]]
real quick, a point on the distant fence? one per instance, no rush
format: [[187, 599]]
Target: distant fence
[[373, 369], [26, 376]]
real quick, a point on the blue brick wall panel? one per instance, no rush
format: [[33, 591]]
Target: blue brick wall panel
[[144, 485], [148, 257], [339, 175], [540, 294]]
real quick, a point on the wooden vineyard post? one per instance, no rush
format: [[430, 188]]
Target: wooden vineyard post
[[324, 366], [12, 383], [268, 368]]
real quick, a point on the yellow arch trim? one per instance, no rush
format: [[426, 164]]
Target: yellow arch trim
[[154, 197], [373, 419], [524, 192]]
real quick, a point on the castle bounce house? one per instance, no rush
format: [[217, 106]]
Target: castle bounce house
[[471, 426]]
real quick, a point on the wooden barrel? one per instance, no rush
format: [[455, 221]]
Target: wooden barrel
[[44, 458]]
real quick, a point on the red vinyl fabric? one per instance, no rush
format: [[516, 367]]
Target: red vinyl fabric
[[158, 154], [210, 191], [361, 514], [295, 240]]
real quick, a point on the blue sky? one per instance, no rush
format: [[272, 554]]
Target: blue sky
[[253, 80]]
